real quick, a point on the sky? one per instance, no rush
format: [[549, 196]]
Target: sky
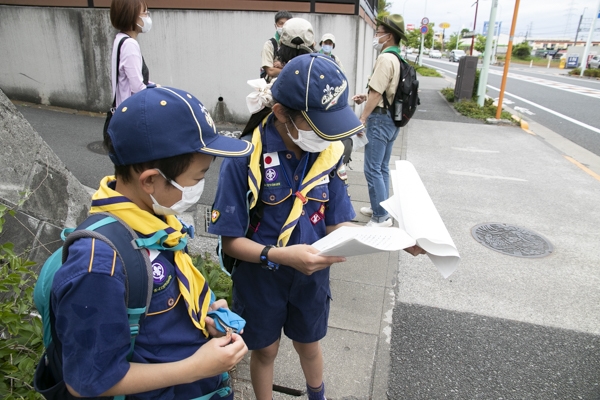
[[541, 19]]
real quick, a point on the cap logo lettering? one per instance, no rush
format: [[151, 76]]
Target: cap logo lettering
[[208, 118], [332, 94]]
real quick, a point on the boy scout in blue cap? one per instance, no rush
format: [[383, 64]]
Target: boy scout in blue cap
[[281, 283], [162, 142]]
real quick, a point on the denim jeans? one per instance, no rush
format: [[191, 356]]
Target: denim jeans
[[381, 133]]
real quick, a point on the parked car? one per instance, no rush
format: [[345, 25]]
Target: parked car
[[435, 54], [455, 55], [594, 62]]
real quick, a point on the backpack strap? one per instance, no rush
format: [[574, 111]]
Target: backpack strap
[[386, 103], [135, 260], [114, 103], [275, 46], [136, 263]]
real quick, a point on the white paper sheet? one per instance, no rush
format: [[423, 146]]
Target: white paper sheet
[[415, 211], [353, 241], [359, 141]]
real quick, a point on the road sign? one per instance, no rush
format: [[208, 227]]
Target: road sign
[[469, 34], [425, 21], [424, 29], [497, 27], [444, 25]]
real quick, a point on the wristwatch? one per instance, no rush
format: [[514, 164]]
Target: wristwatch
[[264, 259]]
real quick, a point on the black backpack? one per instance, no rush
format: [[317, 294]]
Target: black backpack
[[406, 99], [263, 73]]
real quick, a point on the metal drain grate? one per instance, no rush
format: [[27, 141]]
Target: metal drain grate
[[97, 147], [512, 240]]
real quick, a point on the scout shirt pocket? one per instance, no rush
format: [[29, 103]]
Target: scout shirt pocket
[[165, 291], [274, 195], [320, 192]]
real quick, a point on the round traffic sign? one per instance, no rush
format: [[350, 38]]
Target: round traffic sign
[[424, 29], [444, 25], [425, 21]]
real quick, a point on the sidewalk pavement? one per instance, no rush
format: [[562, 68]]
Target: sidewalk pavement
[[500, 326]]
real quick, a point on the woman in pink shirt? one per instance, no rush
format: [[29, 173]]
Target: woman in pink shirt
[[130, 17]]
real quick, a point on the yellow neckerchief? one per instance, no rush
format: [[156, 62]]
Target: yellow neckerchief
[[325, 162], [192, 284]]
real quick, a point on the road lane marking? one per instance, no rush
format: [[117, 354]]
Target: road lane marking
[[556, 113], [584, 168], [567, 87], [474, 150], [474, 175]]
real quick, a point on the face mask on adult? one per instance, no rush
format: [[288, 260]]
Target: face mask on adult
[[327, 48], [190, 196], [147, 24], [279, 30], [308, 141], [376, 45]]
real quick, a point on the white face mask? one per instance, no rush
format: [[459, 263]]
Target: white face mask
[[308, 141], [190, 196], [279, 30], [376, 45], [147, 24], [327, 48]]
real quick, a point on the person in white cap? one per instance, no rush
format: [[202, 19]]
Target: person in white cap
[[327, 44], [271, 67], [297, 38]]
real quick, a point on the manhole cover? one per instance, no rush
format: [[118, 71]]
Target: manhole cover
[[512, 240], [97, 147]]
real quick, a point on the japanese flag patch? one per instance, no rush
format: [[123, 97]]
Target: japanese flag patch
[[270, 160]]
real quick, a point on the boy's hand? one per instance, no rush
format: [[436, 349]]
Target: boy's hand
[[304, 258], [415, 250], [218, 355]]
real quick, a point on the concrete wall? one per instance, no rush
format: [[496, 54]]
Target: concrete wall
[[56, 198], [61, 56]]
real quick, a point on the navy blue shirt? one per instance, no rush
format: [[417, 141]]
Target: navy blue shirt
[[88, 300], [328, 203]]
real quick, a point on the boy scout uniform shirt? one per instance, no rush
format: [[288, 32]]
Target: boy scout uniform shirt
[[385, 77], [328, 203], [88, 300], [268, 54]]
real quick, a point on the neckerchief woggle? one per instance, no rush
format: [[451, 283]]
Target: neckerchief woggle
[[325, 162], [164, 236]]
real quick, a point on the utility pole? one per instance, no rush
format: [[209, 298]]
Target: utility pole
[[589, 39], [507, 60], [487, 55], [577, 32], [474, 24], [422, 38]]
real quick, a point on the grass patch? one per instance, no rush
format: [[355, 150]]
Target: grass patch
[[425, 71], [218, 281], [470, 108]]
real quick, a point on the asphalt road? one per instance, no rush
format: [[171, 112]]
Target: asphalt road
[[77, 141], [564, 104]]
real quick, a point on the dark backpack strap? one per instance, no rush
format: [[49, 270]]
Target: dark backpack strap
[[386, 103], [275, 46], [114, 103]]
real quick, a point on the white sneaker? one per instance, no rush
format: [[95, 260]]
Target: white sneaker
[[366, 211], [385, 224]]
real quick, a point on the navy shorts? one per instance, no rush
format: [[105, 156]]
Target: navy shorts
[[286, 298]]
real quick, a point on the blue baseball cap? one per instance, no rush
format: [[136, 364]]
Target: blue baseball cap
[[315, 85], [161, 122]]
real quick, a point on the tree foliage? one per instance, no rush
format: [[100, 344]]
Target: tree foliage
[[382, 8], [480, 43], [522, 50]]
